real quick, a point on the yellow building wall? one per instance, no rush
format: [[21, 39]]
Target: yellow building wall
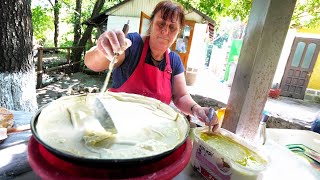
[[314, 82], [312, 31]]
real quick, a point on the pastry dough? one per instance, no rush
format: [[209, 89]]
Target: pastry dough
[[6, 118]]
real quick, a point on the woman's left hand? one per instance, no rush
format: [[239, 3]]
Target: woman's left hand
[[202, 114]]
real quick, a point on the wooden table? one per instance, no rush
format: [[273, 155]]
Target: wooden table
[[14, 159], [13, 150]]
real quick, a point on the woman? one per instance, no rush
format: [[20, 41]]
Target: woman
[[145, 65]]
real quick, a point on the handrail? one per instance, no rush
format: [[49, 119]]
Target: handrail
[[40, 69]]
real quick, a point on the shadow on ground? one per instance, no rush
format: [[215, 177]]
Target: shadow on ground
[[77, 83]]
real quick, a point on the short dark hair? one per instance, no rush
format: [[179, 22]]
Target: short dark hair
[[168, 10]]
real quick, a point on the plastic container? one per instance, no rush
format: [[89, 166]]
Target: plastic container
[[262, 137], [213, 163], [274, 93]]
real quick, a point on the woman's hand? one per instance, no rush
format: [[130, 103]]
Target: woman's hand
[[111, 42], [202, 114]]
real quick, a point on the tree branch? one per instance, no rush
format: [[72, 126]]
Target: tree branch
[[70, 7], [51, 3]]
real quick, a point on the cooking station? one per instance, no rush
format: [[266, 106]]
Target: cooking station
[[16, 158], [15, 161]]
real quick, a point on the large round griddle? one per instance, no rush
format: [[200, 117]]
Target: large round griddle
[[48, 166], [105, 162]]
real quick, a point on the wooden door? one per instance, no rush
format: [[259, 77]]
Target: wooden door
[[182, 45], [144, 24], [303, 55]]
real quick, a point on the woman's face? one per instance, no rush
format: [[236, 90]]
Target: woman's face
[[163, 32]]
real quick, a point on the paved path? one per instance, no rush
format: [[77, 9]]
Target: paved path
[[293, 110]]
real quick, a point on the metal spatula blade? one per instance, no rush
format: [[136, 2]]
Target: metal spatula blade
[[103, 116], [101, 112], [210, 116]]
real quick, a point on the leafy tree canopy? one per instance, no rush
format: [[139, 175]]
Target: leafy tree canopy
[[41, 22], [42, 17], [306, 13]]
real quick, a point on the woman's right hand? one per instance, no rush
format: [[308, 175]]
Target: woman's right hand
[[111, 42], [202, 113], [99, 57]]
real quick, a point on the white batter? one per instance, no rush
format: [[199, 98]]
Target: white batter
[[145, 126]]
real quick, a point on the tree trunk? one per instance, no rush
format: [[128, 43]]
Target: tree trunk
[[56, 11], [77, 27], [76, 31], [87, 33], [17, 73], [90, 43]]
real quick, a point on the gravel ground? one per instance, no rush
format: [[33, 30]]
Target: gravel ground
[[64, 85]]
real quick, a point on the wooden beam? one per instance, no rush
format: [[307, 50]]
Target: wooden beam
[[266, 31]]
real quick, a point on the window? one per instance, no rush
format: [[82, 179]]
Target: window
[[298, 54], [308, 57]]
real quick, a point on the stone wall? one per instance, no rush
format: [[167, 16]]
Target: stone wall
[[274, 121], [278, 122], [312, 95], [208, 102]]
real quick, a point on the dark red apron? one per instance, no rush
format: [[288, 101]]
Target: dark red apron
[[148, 80]]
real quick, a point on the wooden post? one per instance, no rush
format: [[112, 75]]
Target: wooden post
[[69, 69], [84, 53], [68, 56], [76, 56], [39, 67], [265, 34]]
